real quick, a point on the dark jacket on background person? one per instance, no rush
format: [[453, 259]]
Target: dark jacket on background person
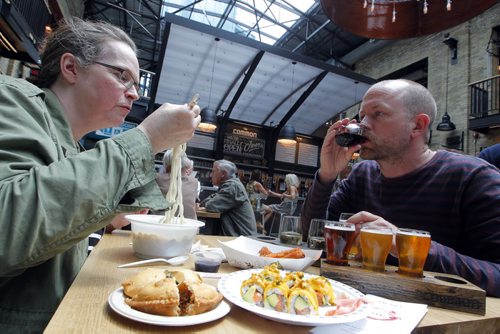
[[231, 200], [492, 155]]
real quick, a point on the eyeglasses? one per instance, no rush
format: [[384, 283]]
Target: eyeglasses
[[124, 77]]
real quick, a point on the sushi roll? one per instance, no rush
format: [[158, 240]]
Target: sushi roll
[[270, 273], [323, 290], [302, 300], [276, 296], [252, 290], [293, 278]]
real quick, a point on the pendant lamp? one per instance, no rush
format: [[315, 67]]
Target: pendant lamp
[[208, 115], [208, 120], [446, 123], [287, 135]]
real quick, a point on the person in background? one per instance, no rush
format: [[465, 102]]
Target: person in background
[[288, 198], [492, 155], [190, 185], [402, 183], [231, 200], [53, 194], [255, 189]]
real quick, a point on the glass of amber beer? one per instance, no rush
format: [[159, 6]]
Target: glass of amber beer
[[413, 247], [339, 238], [375, 247]]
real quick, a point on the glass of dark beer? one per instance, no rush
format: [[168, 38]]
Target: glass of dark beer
[[339, 238], [350, 134]]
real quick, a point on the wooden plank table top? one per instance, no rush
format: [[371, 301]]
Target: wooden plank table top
[[85, 309], [203, 213]]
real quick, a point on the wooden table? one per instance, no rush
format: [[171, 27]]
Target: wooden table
[[84, 309], [203, 213]]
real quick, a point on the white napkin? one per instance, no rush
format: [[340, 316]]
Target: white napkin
[[198, 248], [385, 316]]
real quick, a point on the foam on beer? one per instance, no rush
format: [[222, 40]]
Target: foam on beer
[[415, 233], [377, 231], [340, 228]]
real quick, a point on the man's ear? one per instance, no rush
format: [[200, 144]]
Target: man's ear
[[69, 67], [421, 125]]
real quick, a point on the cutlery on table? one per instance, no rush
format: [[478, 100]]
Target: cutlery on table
[[174, 261]]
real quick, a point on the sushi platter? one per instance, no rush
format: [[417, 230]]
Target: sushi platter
[[232, 285]]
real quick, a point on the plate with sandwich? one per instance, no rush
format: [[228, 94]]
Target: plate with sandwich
[[168, 298]]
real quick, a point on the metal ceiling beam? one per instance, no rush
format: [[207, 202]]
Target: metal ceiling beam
[[220, 133], [131, 13], [301, 100], [283, 101], [311, 35]]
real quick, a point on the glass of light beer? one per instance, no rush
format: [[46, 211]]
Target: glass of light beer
[[339, 238], [375, 247], [413, 247]]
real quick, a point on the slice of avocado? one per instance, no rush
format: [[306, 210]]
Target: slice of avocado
[[300, 304], [273, 300], [248, 296]]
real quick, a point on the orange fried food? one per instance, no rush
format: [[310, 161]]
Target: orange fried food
[[264, 251], [295, 253]]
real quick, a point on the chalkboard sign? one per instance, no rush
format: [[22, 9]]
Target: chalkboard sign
[[244, 146]]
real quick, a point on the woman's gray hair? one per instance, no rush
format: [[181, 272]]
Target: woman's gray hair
[[228, 167], [81, 38], [292, 180], [186, 163]]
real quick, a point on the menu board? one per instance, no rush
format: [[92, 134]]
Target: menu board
[[308, 155], [244, 146], [201, 141], [285, 152]]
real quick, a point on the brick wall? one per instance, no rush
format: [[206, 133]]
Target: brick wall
[[473, 64]]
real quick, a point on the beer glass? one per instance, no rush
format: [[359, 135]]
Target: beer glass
[[354, 252], [290, 231], [375, 247], [413, 247], [339, 237], [316, 236]]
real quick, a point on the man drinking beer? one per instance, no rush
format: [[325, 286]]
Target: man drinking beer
[[402, 183]]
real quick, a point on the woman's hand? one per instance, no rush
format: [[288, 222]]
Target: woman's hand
[[170, 125], [119, 221]]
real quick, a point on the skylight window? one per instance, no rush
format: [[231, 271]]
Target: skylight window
[[263, 20]]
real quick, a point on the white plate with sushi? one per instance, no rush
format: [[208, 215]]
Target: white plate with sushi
[[230, 286], [243, 253]]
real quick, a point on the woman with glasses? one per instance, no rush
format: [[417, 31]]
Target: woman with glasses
[[54, 195]]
